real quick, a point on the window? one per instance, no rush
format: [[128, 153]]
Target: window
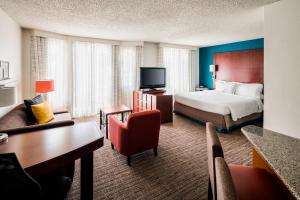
[[180, 65], [127, 75], [87, 75], [92, 77], [57, 69]]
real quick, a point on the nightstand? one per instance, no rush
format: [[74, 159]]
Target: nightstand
[[201, 89]]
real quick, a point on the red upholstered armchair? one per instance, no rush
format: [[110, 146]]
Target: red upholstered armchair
[[140, 133]]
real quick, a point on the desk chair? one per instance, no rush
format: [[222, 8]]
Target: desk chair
[[16, 184], [249, 182]]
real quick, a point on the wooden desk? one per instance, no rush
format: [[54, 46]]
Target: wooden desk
[[277, 153], [43, 151]]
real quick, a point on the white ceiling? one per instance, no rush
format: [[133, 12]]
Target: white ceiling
[[190, 22]]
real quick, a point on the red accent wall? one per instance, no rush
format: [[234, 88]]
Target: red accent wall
[[246, 66]]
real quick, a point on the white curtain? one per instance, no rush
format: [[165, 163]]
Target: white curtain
[[116, 73], [192, 69], [58, 70], [87, 75], [92, 78], [130, 61], [103, 73], [38, 60], [180, 66]]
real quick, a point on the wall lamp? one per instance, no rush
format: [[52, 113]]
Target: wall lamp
[[213, 69]]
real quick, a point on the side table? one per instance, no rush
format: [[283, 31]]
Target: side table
[[201, 89], [105, 112]]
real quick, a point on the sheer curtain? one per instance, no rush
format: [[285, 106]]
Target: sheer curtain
[[103, 73], [49, 61], [87, 75], [39, 61], [92, 78], [192, 69], [180, 65], [130, 60], [58, 70]]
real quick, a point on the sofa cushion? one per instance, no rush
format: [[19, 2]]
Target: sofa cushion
[[15, 118], [28, 103], [42, 112]]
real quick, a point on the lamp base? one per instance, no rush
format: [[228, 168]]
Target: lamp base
[[45, 96]]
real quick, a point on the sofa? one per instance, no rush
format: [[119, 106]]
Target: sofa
[[17, 121]]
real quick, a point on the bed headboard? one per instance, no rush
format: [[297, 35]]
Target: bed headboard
[[246, 66]]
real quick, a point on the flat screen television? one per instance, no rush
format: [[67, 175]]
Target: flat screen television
[[152, 77]]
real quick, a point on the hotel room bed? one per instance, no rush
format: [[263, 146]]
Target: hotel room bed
[[226, 111], [240, 103]]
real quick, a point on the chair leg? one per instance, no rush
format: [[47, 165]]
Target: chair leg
[[128, 160], [209, 192], [155, 151], [112, 146]]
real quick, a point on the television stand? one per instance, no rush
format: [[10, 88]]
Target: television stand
[[153, 91], [154, 99]]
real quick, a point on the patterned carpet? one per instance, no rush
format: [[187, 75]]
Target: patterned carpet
[[178, 172]]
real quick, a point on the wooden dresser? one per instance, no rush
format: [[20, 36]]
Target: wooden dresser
[[154, 100]]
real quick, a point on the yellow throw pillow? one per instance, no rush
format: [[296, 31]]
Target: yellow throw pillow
[[42, 112]]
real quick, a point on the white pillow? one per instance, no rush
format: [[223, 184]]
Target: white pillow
[[220, 85], [230, 87], [225, 86], [249, 90]]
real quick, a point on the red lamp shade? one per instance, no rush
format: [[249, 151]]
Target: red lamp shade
[[44, 86]]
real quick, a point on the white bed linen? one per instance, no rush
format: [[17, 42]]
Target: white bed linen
[[221, 103]]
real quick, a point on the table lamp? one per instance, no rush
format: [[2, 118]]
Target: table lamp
[[44, 86]]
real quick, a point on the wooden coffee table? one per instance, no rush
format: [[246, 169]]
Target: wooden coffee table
[[40, 152], [105, 112]]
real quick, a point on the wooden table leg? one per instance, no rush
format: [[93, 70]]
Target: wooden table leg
[[122, 115], [101, 123], [106, 126], [86, 177]]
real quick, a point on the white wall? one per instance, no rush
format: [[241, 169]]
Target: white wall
[[150, 54], [151, 57], [282, 67], [10, 50]]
